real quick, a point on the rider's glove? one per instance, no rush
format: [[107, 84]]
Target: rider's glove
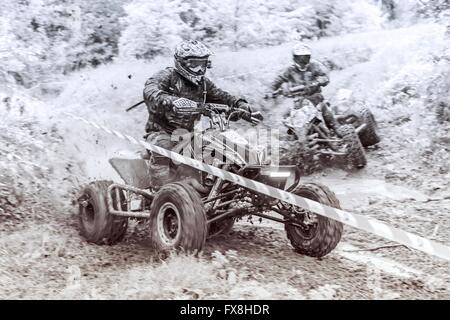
[[249, 115], [165, 104], [312, 87], [240, 110], [243, 105]]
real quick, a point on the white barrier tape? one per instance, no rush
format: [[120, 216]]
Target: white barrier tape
[[357, 221]]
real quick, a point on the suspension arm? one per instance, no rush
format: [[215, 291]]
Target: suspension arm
[[276, 219], [128, 213]]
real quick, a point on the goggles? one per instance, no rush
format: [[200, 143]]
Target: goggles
[[197, 65], [302, 60]]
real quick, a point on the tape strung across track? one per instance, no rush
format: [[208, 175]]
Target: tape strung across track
[[357, 221]]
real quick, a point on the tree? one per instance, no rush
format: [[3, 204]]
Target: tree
[[410, 11], [41, 39], [100, 22], [152, 28]]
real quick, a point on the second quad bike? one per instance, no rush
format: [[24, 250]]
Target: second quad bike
[[362, 119], [321, 136], [197, 205]]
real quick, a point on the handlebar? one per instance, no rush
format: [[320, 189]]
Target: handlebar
[[291, 92], [183, 105], [213, 107], [187, 106], [252, 117]]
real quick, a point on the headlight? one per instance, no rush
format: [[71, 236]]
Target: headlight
[[277, 174]]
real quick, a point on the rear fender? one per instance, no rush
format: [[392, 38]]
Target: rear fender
[[134, 172]]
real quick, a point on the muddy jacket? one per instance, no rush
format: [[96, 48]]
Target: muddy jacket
[[315, 76], [167, 86]]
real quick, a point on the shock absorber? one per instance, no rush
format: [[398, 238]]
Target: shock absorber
[[215, 191], [209, 179]]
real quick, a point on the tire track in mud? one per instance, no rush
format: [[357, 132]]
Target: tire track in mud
[[47, 261], [267, 249]]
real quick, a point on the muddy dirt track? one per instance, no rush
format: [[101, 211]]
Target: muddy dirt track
[[49, 259]]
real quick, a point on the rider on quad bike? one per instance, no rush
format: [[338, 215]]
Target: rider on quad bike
[[304, 81], [318, 136], [186, 80], [190, 205], [310, 74], [304, 78]]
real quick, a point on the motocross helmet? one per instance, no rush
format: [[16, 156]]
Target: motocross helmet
[[302, 56], [192, 60]]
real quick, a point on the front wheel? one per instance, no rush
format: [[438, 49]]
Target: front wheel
[[369, 135], [318, 235], [178, 219], [355, 154]]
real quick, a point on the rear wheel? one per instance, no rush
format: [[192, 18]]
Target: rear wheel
[[178, 219], [368, 135], [356, 156], [318, 235], [97, 225]]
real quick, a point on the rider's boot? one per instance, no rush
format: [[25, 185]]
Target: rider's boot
[[160, 171], [329, 117]]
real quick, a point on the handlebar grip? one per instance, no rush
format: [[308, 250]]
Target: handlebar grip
[[254, 117], [220, 107]]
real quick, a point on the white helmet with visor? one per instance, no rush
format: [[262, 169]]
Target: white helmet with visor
[[302, 56]]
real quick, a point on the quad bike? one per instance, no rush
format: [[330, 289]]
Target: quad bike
[[362, 119], [320, 135], [197, 205]]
